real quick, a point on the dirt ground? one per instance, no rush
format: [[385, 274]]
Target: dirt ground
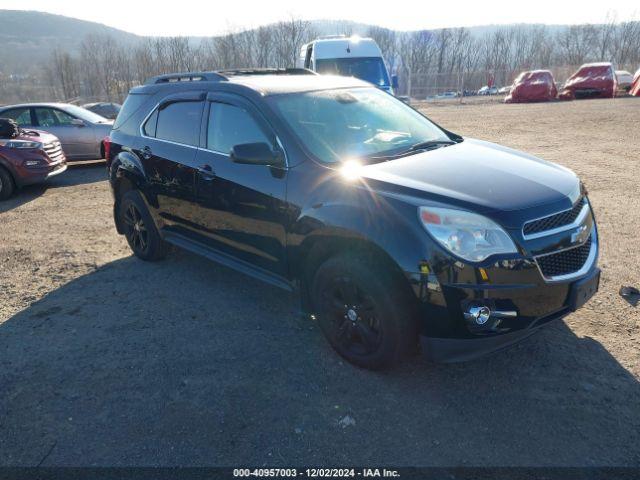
[[108, 360]]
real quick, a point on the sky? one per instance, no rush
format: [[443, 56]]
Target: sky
[[202, 18]]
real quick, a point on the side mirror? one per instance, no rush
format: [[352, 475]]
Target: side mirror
[[255, 154], [394, 82], [77, 122]]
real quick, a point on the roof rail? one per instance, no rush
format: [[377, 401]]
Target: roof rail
[[265, 71], [186, 77]]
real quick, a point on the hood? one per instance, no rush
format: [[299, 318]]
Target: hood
[[37, 136], [477, 174]]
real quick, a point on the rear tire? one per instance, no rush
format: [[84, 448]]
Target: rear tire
[[7, 187], [364, 311], [139, 228]]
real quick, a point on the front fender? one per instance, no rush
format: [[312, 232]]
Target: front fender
[[387, 223]]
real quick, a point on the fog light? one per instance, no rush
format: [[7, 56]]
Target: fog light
[[478, 314]]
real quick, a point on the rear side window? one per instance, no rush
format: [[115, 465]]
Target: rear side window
[[22, 116], [149, 127], [180, 122], [130, 106], [230, 125]]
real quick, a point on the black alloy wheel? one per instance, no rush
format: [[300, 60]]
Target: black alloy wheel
[[139, 229], [135, 229], [354, 324], [364, 310]]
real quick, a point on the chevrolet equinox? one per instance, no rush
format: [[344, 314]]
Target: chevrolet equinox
[[394, 231]]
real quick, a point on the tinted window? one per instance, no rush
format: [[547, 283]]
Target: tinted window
[[130, 106], [229, 126], [149, 127], [369, 69], [50, 117], [180, 122], [22, 116]]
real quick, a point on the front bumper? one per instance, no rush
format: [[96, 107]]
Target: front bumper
[[520, 294], [452, 350], [504, 333], [30, 176]]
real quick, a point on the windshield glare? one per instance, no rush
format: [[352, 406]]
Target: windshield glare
[[369, 69], [358, 123]]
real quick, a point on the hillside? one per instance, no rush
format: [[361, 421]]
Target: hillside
[[28, 37]]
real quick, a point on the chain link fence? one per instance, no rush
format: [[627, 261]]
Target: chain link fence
[[435, 86]]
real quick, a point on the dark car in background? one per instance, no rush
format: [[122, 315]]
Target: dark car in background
[[391, 228], [28, 157], [107, 110], [81, 132]]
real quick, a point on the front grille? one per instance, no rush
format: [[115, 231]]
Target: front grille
[[53, 150], [566, 261], [554, 221]]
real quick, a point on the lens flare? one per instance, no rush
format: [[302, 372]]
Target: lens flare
[[351, 170]]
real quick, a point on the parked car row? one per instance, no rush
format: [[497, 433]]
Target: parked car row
[[37, 139], [591, 80]]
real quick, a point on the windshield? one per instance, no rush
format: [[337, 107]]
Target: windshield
[[369, 69], [84, 114], [363, 123]]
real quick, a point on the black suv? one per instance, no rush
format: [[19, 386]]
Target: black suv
[[391, 228]]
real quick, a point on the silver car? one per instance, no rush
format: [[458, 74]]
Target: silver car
[[80, 131]]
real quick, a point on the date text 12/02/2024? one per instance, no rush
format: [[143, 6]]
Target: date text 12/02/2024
[[316, 472]]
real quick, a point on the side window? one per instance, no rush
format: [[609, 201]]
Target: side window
[[230, 125], [50, 117], [22, 116], [179, 122], [307, 60], [149, 127]]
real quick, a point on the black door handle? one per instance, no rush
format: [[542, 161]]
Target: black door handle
[[146, 153], [206, 171]]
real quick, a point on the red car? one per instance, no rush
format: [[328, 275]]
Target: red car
[[533, 86], [592, 80], [27, 157]]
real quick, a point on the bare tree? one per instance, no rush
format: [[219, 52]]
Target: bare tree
[[106, 68], [289, 36], [576, 44], [63, 71]]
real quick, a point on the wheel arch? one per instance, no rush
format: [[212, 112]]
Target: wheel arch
[[12, 177], [322, 245], [8, 167], [126, 173]]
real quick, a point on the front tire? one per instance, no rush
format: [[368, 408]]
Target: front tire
[[7, 187], [364, 311], [139, 229]]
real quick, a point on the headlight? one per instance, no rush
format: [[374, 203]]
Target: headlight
[[21, 144], [465, 234]]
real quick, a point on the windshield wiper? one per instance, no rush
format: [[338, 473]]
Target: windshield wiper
[[429, 144], [416, 147]]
